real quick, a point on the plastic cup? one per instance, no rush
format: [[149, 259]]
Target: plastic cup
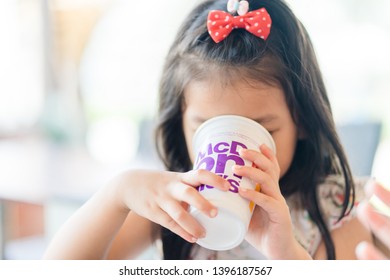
[[216, 145]]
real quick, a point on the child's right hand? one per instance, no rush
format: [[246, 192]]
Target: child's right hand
[[164, 197]]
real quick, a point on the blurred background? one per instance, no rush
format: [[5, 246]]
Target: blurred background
[[78, 88]]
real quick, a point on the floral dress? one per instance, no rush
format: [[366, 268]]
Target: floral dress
[[306, 232]]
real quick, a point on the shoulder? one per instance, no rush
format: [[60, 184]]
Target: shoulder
[[331, 195], [346, 230]]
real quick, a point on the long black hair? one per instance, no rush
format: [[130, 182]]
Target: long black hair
[[287, 58]]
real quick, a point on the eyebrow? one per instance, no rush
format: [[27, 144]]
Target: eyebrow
[[264, 119], [198, 119]]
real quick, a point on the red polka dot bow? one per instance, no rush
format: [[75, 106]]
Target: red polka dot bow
[[221, 23]]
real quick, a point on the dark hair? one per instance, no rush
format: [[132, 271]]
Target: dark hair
[[286, 58]]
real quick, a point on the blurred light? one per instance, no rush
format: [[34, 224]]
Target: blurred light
[[21, 66], [122, 62], [380, 169], [113, 140], [75, 4]]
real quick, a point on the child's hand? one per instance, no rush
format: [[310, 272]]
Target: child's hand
[[270, 229], [164, 197]]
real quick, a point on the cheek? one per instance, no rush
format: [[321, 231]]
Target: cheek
[[284, 160], [189, 147], [285, 153], [188, 135]]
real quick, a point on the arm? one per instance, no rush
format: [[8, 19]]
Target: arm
[[152, 196], [129, 243], [345, 239], [90, 231], [270, 230]]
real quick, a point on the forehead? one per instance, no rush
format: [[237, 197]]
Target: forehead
[[253, 99]]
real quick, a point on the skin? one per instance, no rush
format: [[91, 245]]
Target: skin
[[377, 222], [139, 199], [271, 222]]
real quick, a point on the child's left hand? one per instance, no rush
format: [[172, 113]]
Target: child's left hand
[[270, 230]]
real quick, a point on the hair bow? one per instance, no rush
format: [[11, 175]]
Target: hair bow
[[221, 23]]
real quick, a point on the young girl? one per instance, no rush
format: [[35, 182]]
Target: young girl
[[259, 64]]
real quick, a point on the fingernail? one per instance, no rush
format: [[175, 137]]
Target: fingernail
[[240, 150], [236, 167], [265, 148], [243, 190], [227, 185], [213, 213], [194, 239], [360, 249]]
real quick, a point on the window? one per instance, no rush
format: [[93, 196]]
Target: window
[[22, 65]]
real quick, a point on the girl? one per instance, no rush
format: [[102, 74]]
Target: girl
[[261, 65]]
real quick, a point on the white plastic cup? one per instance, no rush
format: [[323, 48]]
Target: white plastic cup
[[216, 144]]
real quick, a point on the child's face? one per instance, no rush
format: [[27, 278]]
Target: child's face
[[257, 101]]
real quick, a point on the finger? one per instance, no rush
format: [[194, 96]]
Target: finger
[[266, 181], [168, 222], [265, 150], [377, 222], [361, 214], [201, 176], [266, 202], [183, 219], [380, 192], [366, 251], [192, 197], [262, 162]]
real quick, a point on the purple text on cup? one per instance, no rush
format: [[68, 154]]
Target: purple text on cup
[[214, 158]]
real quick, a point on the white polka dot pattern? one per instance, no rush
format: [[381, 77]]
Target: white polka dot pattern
[[221, 23]]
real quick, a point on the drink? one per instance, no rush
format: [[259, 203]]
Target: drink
[[216, 146]]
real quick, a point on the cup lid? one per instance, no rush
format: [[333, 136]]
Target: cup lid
[[224, 123], [223, 232]]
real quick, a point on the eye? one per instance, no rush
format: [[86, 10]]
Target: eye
[[272, 131]]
